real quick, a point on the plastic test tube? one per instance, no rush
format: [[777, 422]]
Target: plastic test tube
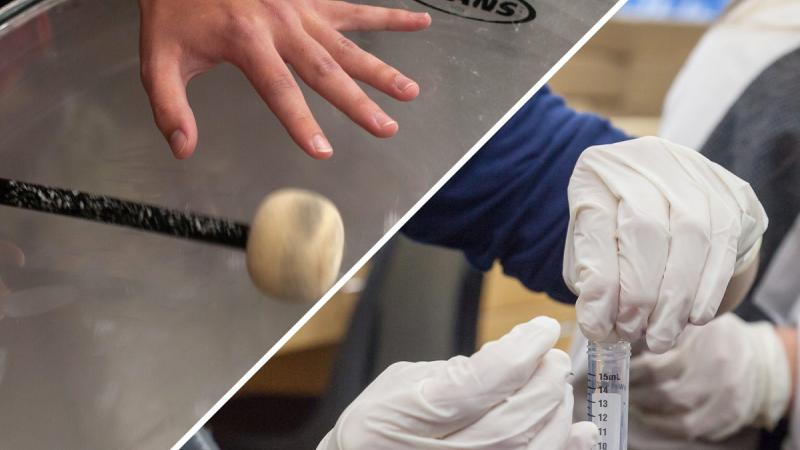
[[607, 392]]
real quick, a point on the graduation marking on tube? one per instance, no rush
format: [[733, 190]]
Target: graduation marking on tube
[[607, 392]]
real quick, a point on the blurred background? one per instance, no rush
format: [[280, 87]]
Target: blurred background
[[414, 302]]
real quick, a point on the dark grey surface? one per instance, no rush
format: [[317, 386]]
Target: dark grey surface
[[158, 329]]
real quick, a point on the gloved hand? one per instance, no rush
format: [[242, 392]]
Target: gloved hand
[[512, 394], [656, 233], [720, 378]]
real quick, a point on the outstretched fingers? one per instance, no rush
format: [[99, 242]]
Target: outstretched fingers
[[267, 72], [352, 17], [166, 89]]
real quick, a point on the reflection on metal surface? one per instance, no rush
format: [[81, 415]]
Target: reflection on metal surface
[[10, 8], [114, 338]]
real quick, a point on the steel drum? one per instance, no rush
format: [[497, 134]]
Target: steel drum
[[112, 338]]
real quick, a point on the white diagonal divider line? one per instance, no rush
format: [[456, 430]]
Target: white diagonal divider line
[[394, 229]]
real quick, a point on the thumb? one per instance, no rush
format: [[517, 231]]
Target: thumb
[[591, 264], [166, 89], [582, 436], [469, 387]]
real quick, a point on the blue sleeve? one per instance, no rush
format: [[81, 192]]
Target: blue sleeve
[[509, 202]]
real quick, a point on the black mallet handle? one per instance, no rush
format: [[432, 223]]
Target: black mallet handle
[[109, 210]]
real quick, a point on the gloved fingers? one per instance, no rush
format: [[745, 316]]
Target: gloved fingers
[[389, 408], [725, 219], [642, 229], [723, 406], [720, 265], [666, 398], [555, 433], [590, 256], [737, 222], [663, 235], [509, 424], [715, 397], [469, 387], [643, 248], [648, 369], [753, 218], [716, 418], [701, 422], [408, 373], [716, 276], [583, 436], [690, 243], [668, 409], [669, 425], [525, 411]]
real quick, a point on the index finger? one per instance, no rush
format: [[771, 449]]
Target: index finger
[[528, 409], [350, 17], [591, 266], [468, 387]]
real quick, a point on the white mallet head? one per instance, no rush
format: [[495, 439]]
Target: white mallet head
[[295, 246]]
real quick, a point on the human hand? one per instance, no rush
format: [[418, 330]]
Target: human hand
[[512, 394], [181, 39], [720, 378], [656, 233]]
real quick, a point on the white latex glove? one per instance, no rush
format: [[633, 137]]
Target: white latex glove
[[720, 378], [511, 395], [656, 233]]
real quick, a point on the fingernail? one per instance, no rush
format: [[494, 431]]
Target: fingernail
[[321, 145], [402, 82], [177, 142], [383, 120]]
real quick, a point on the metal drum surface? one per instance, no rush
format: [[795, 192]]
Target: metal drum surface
[[112, 338]]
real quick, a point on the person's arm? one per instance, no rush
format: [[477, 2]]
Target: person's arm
[[648, 234], [181, 39], [509, 202]]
